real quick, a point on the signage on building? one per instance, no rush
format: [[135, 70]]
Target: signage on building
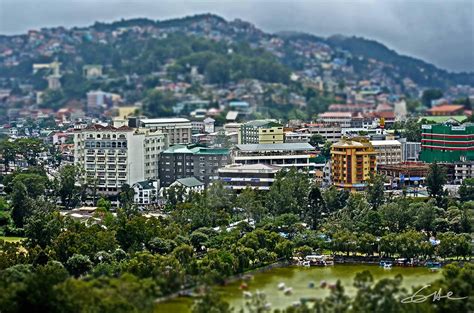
[[425, 126], [458, 128]]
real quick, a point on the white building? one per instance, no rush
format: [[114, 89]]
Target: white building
[[342, 119], [146, 193], [388, 151], [240, 176], [463, 171], [115, 156], [298, 155], [209, 125], [410, 150], [178, 130]]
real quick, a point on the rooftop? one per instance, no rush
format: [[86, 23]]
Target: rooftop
[[335, 114], [165, 120], [190, 182], [385, 142], [297, 146], [446, 108], [261, 123]]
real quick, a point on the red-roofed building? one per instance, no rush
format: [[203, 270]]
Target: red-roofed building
[[447, 110]]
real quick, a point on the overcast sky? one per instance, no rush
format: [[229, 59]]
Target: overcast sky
[[438, 31]]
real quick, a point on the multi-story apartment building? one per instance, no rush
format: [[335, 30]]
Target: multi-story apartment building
[[388, 151], [329, 133], [146, 193], [180, 161], [410, 150], [447, 143], [240, 176], [352, 162], [343, 119], [178, 130], [261, 131], [462, 171], [299, 155], [115, 156]]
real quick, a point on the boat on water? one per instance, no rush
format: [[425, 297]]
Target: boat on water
[[318, 260], [432, 265], [385, 263], [281, 286], [387, 266], [288, 291]]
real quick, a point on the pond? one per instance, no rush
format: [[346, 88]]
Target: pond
[[298, 278]]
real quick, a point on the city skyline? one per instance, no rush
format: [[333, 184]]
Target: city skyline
[[387, 22]]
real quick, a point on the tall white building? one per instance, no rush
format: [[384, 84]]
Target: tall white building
[[113, 156], [178, 130]]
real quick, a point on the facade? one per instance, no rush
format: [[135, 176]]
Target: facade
[[343, 119], [180, 161], [300, 155], [462, 171], [240, 176], [352, 162], [388, 151], [146, 193], [115, 156], [405, 173], [410, 150], [447, 143], [261, 132], [329, 133], [178, 130]]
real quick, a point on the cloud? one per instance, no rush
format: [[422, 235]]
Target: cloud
[[438, 31]]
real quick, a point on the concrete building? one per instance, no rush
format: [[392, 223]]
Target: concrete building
[[388, 151], [190, 184], [178, 130], [352, 162], [209, 125], [410, 150], [405, 173], [146, 193], [113, 156], [240, 176], [447, 143], [329, 133], [343, 119], [261, 132], [180, 161], [462, 171], [300, 155]]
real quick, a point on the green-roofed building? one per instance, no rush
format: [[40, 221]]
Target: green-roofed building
[[181, 161], [447, 143], [443, 119]]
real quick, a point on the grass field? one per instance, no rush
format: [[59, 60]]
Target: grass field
[[11, 239]]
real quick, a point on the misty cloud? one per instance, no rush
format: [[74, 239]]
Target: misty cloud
[[438, 31]]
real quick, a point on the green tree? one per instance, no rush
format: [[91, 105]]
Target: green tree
[[376, 190], [79, 264], [69, 191], [317, 140], [289, 193], [20, 204], [430, 95], [211, 302], [435, 181], [43, 225], [316, 207], [466, 190]]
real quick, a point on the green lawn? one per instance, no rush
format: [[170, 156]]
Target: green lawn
[[11, 239]]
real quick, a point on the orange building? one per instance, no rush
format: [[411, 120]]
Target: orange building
[[352, 162]]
